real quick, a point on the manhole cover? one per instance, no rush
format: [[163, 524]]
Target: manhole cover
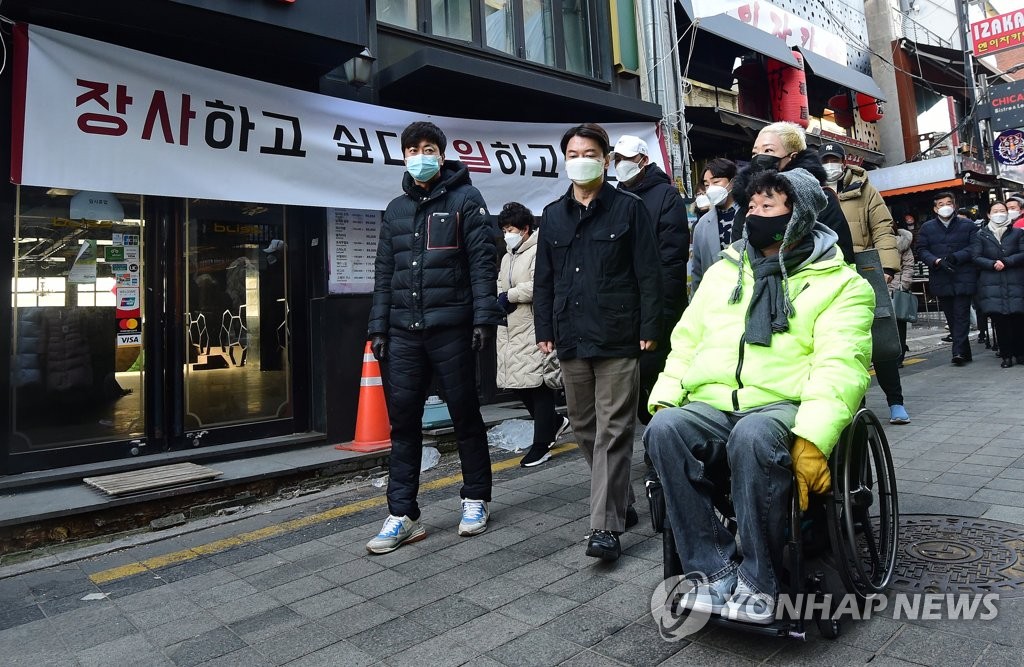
[[955, 554]]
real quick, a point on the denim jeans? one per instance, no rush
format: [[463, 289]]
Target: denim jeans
[[695, 449]]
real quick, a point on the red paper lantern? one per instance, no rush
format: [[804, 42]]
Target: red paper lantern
[[752, 98], [870, 109], [788, 87], [840, 106]]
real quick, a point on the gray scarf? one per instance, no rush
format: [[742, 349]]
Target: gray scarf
[[770, 307]]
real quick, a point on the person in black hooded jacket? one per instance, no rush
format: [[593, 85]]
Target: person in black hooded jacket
[[667, 211], [435, 304], [783, 146]]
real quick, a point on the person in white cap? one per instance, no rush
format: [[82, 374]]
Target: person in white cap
[[667, 210]]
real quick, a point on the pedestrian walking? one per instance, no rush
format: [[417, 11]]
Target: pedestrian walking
[[531, 374], [666, 209], [713, 232], [597, 299], [944, 245], [998, 252], [434, 306], [871, 228]]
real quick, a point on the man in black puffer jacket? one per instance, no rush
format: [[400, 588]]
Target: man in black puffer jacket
[[783, 146], [435, 305], [667, 211]]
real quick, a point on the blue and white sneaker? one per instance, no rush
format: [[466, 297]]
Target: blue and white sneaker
[[898, 415], [749, 606], [397, 530], [710, 598], [474, 517]]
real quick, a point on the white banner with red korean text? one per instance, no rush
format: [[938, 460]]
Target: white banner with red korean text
[[94, 116]]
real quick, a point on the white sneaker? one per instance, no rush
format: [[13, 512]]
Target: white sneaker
[[749, 606], [397, 530], [709, 598], [562, 429], [474, 517]]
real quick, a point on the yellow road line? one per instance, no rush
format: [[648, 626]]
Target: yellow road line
[[174, 558], [906, 362]]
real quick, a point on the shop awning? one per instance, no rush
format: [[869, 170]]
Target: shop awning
[[847, 77], [737, 31], [925, 176]]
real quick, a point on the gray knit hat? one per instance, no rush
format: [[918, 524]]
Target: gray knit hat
[[808, 201]]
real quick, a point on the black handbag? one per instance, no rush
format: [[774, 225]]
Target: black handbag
[[885, 337], [904, 304]]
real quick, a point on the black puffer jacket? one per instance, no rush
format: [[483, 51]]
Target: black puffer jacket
[[832, 216], [999, 291], [937, 241], [436, 260], [668, 212]]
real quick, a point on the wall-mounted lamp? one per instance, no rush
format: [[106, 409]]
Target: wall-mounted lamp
[[359, 68]]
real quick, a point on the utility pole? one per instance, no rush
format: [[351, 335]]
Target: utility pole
[[965, 40]]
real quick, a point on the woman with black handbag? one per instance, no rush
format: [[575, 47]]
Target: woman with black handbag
[[998, 252]]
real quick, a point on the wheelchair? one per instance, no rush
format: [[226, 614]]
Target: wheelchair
[[845, 542]]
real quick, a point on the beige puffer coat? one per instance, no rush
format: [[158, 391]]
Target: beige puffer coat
[[521, 364], [869, 218]]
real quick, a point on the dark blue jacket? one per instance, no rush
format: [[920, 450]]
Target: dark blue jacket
[[952, 245]]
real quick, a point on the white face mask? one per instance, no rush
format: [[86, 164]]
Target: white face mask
[[702, 202], [584, 169], [626, 171], [833, 171], [717, 194], [512, 240], [946, 211], [999, 219], [1013, 215]]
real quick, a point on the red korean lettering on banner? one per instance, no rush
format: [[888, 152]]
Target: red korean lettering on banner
[[93, 122], [479, 162], [159, 112]]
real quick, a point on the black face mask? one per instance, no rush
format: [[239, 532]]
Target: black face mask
[[763, 232], [764, 162]]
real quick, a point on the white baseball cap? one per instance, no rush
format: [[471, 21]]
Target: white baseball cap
[[629, 146]]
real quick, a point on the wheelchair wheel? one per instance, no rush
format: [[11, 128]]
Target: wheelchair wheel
[[863, 515]]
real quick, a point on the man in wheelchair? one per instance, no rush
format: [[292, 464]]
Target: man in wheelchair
[[768, 365]]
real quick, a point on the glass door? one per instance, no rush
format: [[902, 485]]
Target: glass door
[[236, 330], [77, 327]]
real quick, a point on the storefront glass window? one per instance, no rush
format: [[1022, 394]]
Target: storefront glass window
[[77, 335], [397, 12], [499, 25], [237, 330], [540, 31], [452, 18]]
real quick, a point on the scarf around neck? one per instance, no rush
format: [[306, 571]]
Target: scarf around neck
[[770, 307], [998, 230]]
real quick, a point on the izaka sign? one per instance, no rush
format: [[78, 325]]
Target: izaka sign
[[998, 33]]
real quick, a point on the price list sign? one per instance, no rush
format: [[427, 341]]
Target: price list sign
[[351, 249]]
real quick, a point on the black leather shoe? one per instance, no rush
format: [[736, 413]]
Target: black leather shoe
[[958, 360], [947, 339], [604, 544], [1007, 363], [631, 517]]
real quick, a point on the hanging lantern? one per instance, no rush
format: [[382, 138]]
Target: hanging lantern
[[752, 98], [788, 87], [840, 106], [870, 109]]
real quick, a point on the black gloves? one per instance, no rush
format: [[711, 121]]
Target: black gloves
[[948, 264], [379, 345], [481, 336], [503, 300]]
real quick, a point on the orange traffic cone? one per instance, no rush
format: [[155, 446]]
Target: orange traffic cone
[[373, 428]]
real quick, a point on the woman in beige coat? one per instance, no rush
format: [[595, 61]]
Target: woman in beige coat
[[522, 367]]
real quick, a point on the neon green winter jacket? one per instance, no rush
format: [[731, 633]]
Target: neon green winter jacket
[[820, 363]]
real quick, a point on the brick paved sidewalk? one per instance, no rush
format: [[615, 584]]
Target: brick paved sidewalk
[[523, 593]]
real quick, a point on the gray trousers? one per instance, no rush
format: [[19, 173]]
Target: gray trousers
[[601, 397], [695, 448]]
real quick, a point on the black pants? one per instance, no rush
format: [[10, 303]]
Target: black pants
[[957, 310], [540, 403], [1009, 333], [651, 366], [888, 375], [414, 357], [901, 326]]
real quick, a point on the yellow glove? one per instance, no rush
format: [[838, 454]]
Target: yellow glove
[[811, 469]]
